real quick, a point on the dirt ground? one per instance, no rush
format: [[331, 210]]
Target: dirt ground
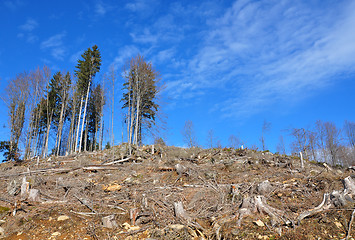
[[170, 193]]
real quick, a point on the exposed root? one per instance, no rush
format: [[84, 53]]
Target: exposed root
[[258, 203], [333, 200]]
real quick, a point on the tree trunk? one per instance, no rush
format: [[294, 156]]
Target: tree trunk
[[102, 132], [60, 127], [45, 148], [112, 108], [37, 135], [86, 135], [84, 115], [136, 128], [78, 124], [72, 126]]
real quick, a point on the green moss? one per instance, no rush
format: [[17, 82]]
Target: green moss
[[4, 209]]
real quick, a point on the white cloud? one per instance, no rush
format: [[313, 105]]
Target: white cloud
[[145, 37], [55, 45], [58, 53], [100, 9], [138, 5], [142, 8], [27, 30], [267, 52], [165, 55], [125, 54], [54, 41], [30, 25], [76, 56], [13, 4]]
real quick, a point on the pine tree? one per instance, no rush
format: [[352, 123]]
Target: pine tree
[[63, 93], [86, 71], [95, 113], [51, 111]]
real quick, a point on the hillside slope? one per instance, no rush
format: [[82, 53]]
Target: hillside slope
[[173, 193]]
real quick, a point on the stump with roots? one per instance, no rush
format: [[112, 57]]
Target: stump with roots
[[257, 203], [251, 205], [333, 200]]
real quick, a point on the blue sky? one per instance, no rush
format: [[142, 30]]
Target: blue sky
[[227, 65]]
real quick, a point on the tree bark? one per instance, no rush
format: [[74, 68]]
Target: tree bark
[[84, 114], [45, 147], [61, 122], [78, 124]]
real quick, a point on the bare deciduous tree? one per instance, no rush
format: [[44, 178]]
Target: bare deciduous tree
[[281, 145], [188, 134], [265, 129], [210, 139], [17, 98], [38, 80], [349, 129], [328, 141], [234, 141], [141, 81], [332, 141], [300, 143]]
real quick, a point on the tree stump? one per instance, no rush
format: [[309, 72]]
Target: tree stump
[[334, 199]]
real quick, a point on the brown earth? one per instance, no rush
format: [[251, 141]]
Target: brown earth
[[142, 194]]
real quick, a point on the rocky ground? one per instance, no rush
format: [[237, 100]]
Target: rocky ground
[[174, 193]]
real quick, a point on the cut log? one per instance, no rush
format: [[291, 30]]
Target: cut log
[[13, 188], [302, 162], [180, 169], [133, 214], [264, 188], [349, 185], [34, 195], [180, 211], [118, 161], [25, 187], [109, 221]]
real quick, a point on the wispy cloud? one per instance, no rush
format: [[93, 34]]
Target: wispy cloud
[[138, 5], [30, 25], [264, 52], [13, 4], [125, 54], [26, 30], [145, 37], [142, 8], [54, 41], [55, 45], [76, 56], [102, 8]]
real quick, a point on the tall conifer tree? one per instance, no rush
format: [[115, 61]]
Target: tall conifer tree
[[87, 68]]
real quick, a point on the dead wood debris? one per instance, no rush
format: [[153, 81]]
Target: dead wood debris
[[173, 193]]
